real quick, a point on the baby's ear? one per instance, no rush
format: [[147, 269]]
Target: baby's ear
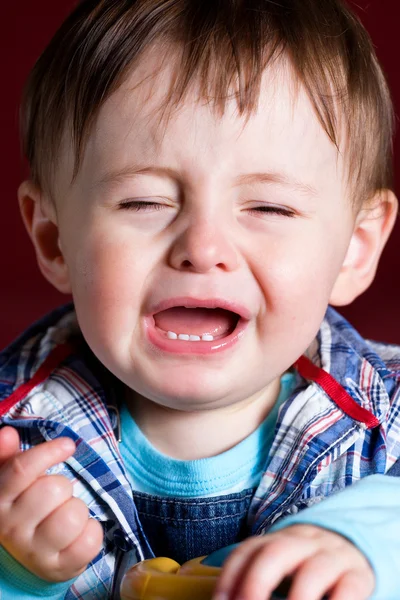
[[40, 219], [373, 226]]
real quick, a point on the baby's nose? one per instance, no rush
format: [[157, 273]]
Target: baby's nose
[[203, 246]]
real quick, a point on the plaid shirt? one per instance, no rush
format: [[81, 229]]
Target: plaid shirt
[[51, 385]]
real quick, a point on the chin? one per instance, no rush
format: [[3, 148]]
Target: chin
[[191, 397]]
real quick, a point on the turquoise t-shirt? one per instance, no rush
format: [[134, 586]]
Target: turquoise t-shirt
[[235, 470]]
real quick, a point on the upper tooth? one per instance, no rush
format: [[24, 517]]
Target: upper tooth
[[172, 335], [207, 337], [194, 338], [184, 336]]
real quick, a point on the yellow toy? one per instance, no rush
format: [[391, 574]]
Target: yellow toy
[[165, 579]]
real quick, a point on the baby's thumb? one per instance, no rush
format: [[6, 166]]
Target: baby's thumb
[[9, 443]]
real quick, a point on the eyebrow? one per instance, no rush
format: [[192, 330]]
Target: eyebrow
[[131, 171], [250, 178], [280, 179]]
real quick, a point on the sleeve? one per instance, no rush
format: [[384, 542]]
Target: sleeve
[[368, 514], [17, 583]]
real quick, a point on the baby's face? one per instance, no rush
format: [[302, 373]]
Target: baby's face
[[251, 218]]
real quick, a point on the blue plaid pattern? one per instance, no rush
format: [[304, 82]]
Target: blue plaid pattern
[[317, 449]]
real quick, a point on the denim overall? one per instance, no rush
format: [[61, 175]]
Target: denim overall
[[184, 529]]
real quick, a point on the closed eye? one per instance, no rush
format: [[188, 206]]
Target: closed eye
[[270, 209], [142, 205]]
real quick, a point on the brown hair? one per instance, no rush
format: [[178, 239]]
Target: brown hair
[[225, 45]]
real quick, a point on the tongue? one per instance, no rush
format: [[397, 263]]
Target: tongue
[[196, 321]]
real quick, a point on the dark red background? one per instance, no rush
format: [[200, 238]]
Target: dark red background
[[27, 26]]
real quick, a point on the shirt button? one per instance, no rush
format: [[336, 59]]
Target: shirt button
[[122, 541]]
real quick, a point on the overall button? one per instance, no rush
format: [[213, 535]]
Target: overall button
[[122, 541]]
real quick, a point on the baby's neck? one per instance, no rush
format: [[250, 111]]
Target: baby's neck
[[201, 434]]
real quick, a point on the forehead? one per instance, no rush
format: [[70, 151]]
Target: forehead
[[138, 125]]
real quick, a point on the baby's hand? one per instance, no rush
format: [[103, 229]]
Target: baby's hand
[[318, 561], [42, 525]]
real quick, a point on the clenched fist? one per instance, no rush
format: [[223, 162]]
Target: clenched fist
[[42, 525]]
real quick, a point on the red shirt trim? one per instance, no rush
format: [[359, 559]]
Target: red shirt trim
[[336, 392], [52, 361]]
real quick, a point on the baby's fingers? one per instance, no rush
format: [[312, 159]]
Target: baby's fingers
[[18, 529], [74, 559], [233, 568], [353, 585], [317, 575], [256, 573], [62, 527], [269, 567], [22, 469], [9, 443]]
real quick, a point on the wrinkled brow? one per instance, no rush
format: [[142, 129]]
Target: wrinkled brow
[[120, 175]]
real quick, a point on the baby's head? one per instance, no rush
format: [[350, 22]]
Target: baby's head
[[219, 171]]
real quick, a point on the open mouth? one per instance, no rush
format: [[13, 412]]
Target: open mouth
[[196, 324], [188, 328]]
